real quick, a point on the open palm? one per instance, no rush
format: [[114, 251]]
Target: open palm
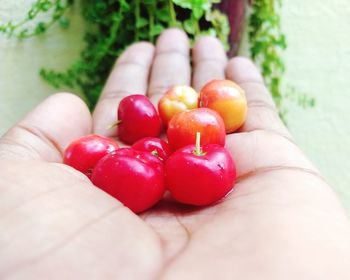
[[281, 221]]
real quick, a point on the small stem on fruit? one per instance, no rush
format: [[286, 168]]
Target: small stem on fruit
[[114, 124], [155, 153], [198, 151], [198, 144]]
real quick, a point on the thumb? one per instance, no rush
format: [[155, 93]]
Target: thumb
[[47, 130]]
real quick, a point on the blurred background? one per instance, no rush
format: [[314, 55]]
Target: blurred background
[[317, 63]]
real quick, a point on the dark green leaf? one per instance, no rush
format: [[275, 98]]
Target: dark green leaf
[[141, 22], [189, 26], [156, 30], [64, 22]]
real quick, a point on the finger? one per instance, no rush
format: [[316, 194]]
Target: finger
[[46, 131], [209, 60], [129, 76], [171, 63], [262, 113]]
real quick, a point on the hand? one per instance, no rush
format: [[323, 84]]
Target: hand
[[282, 221]]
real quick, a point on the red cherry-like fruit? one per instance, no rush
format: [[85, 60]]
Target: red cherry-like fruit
[[200, 177], [84, 153], [133, 177], [156, 146], [183, 127], [137, 118]]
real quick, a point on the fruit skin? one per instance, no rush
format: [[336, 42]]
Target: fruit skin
[[200, 179], [183, 127], [137, 118], [84, 153], [228, 99], [133, 177], [177, 99], [156, 146]]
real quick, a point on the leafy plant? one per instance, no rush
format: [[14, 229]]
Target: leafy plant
[[115, 24], [56, 9]]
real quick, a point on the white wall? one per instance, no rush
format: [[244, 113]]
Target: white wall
[[21, 88], [318, 61]]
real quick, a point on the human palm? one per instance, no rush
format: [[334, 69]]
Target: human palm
[[281, 221]]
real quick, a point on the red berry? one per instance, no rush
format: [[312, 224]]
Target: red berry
[[84, 153], [200, 178], [133, 177], [156, 146], [137, 118], [183, 127]]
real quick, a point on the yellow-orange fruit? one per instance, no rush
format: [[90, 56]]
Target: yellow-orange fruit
[[226, 98]]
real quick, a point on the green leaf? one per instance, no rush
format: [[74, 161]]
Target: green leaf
[[64, 22], [23, 33], [141, 22], [156, 30], [197, 11], [186, 4], [31, 14], [149, 2], [198, 7], [189, 26], [209, 32], [163, 14], [40, 28], [45, 6], [124, 5]]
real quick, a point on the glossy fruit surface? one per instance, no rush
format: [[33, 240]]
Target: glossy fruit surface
[[175, 100], [137, 118], [200, 179], [156, 146], [84, 153], [133, 177], [183, 127], [228, 99]]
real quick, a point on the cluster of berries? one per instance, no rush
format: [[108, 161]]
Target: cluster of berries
[[193, 165]]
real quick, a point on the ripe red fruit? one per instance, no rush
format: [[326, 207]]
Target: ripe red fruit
[[200, 177], [84, 153], [133, 177], [137, 118], [156, 146], [183, 127], [228, 99]]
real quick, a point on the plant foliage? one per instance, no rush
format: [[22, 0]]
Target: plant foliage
[[113, 25]]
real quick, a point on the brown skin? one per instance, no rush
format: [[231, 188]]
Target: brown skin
[[282, 221]]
